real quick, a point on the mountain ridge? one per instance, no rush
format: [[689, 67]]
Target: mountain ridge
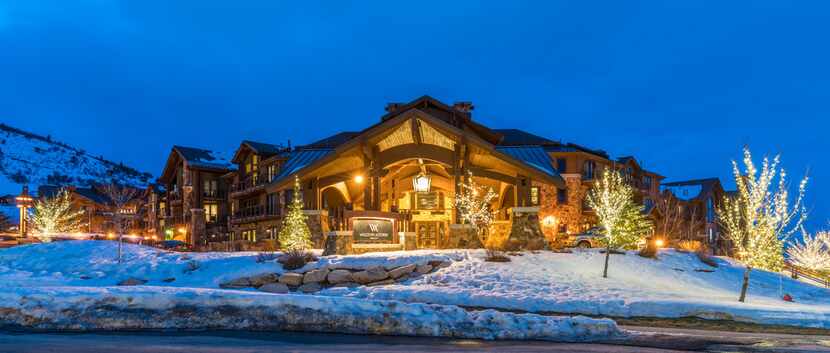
[[28, 158]]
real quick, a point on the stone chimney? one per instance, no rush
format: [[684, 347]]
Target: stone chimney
[[464, 107]]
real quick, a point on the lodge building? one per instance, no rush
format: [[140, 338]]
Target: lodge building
[[390, 186]]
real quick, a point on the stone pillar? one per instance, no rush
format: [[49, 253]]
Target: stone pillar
[[410, 241], [197, 226], [463, 236], [338, 243], [318, 224], [525, 231]]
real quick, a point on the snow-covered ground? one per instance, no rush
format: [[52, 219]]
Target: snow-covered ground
[[668, 287], [72, 285]]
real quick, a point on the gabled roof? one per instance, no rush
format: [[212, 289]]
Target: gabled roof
[[202, 158], [196, 158], [264, 150], [448, 114], [572, 147], [332, 141], [516, 137], [316, 157], [691, 189], [88, 193]]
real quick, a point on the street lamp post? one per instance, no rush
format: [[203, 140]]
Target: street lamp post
[[24, 202]]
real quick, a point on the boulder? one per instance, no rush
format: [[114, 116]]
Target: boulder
[[241, 282], [132, 281], [423, 269], [316, 276], [405, 277], [278, 288], [169, 279], [260, 280], [339, 276], [373, 274], [310, 287], [440, 264], [381, 283], [291, 279], [403, 270]]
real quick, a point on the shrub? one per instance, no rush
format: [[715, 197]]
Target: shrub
[[496, 256], [192, 265], [650, 250], [690, 246], [295, 259], [265, 257]]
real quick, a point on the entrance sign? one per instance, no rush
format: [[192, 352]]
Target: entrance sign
[[427, 200], [372, 230]]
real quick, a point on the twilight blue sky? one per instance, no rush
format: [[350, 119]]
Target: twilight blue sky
[[682, 85]]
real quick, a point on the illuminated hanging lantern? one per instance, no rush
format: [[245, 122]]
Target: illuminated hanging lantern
[[421, 182]]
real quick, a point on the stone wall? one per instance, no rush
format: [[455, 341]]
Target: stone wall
[[498, 234], [338, 243], [525, 230], [568, 213], [314, 280]]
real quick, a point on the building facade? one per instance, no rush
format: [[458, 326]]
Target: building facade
[[192, 205], [392, 185], [98, 210], [697, 201]]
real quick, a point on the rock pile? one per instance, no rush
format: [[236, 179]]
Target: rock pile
[[314, 280]]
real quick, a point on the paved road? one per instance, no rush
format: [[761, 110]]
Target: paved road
[[646, 341]]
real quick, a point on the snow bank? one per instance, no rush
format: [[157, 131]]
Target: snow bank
[[544, 282], [146, 307], [669, 287]]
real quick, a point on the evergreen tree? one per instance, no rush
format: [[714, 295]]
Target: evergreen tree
[[295, 235], [55, 215]]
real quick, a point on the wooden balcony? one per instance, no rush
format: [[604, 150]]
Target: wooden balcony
[[213, 194], [249, 185], [254, 214]]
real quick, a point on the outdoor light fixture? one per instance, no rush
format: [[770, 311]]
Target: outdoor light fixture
[[421, 182], [358, 179], [659, 243], [549, 221], [182, 230]]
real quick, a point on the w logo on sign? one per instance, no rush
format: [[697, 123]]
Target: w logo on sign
[[373, 227]]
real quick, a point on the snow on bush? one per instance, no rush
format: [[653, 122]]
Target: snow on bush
[[813, 252]]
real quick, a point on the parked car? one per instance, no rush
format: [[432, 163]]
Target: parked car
[[591, 238], [8, 240], [174, 245]]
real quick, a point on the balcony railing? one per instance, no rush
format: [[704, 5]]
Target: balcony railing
[[213, 194], [255, 212], [251, 182]]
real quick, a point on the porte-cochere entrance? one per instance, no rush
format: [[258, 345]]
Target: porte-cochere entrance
[[393, 185]]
